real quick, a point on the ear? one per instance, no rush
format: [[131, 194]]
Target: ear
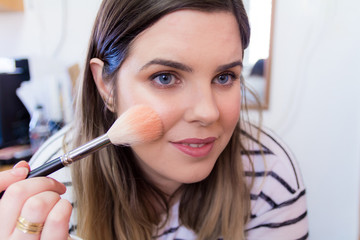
[[96, 66]]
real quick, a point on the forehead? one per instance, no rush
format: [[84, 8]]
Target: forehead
[[191, 32]]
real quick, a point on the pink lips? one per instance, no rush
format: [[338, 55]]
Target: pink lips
[[195, 147]]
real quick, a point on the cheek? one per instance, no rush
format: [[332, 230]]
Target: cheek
[[168, 114], [234, 114], [127, 96], [133, 93], [230, 112], [136, 95]]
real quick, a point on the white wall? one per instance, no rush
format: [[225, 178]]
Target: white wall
[[53, 29], [53, 35], [314, 106], [314, 101]]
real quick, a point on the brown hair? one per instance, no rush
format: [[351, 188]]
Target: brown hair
[[112, 195]]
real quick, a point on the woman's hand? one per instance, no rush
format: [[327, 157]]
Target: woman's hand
[[36, 200]]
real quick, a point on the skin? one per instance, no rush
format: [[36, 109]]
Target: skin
[[186, 66]]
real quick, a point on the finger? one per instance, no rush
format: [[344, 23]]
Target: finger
[[57, 223], [36, 210], [22, 164], [11, 176], [16, 195]]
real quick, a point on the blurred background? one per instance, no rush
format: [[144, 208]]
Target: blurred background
[[310, 95]]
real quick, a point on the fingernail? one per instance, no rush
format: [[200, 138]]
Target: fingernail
[[17, 164], [19, 172]]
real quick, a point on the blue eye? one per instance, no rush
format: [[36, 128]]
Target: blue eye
[[222, 79], [164, 78], [225, 79]]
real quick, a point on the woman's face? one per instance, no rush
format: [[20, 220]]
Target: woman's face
[[187, 67]]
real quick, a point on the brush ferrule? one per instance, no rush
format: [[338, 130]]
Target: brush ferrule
[[84, 150], [65, 160]]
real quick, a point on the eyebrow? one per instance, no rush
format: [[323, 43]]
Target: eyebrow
[[229, 65], [168, 63], [183, 67]]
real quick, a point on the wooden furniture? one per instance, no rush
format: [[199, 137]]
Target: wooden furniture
[[11, 5], [5, 167]]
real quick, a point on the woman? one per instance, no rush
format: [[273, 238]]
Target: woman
[[210, 176]]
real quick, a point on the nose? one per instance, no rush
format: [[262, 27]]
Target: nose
[[202, 108]]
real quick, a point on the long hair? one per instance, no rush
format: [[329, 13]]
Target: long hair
[[113, 198]]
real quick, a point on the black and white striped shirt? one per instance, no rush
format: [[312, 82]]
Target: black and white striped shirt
[[278, 197]]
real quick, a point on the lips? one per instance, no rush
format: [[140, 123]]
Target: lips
[[195, 147]]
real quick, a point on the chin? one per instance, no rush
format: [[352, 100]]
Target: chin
[[195, 176]]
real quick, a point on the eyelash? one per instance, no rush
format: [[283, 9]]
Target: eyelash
[[153, 78]]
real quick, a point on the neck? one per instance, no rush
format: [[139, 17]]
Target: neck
[[170, 199]]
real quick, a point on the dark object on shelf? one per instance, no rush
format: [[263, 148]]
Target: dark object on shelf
[[14, 117], [12, 155]]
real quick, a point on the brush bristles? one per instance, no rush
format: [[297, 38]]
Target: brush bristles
[[137, 125]]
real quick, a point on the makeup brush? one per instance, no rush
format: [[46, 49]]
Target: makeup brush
[[139, 124]]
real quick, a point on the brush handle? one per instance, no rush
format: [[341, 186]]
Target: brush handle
[[69, 158], [46, 168]]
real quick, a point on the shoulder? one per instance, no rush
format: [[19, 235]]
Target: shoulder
[[278, 195], [270, 156]]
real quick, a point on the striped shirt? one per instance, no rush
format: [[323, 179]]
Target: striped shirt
[[278, 197]]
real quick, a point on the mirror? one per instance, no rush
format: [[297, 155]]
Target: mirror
[[257, 57]]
